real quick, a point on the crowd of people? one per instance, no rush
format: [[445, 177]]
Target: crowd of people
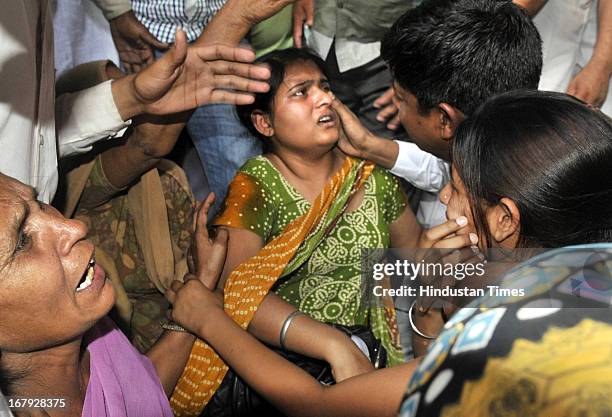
[[347, 133]]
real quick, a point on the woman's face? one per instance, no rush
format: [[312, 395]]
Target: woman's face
[[454, 195], [302, 117], [51, 290], [502, 220]]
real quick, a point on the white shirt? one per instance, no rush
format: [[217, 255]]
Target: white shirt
[[428, 173], [27, 102]]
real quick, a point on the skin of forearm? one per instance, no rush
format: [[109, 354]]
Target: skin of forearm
[[146, 144], [228, 27], [602, 53], [169, 356], [295, 392], [305, 335], [381, 151]]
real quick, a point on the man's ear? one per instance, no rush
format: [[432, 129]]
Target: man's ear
[[450, 119], [262, 123], [504, 222]]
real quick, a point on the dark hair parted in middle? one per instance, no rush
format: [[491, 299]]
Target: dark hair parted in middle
[[277, 61], [547, 152], [462, 52]]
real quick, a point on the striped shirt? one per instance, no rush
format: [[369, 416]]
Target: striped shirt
[[163, 17]]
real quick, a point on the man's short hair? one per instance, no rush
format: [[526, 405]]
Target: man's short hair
[[462, 52]]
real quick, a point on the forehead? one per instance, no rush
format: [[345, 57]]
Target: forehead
[[13, 207], [301, 70], [14, 196]]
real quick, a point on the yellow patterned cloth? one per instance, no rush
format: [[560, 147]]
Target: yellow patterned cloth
[[545, 354], [249, 283]]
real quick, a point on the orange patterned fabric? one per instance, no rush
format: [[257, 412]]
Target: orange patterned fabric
[[247, 286]]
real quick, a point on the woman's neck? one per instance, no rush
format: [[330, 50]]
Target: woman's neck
[[60, 372], [307, 173]]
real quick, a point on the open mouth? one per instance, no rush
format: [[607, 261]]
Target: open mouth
[[327, 119], [88, 276]]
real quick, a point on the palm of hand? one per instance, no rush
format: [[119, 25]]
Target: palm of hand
[[189, 86]]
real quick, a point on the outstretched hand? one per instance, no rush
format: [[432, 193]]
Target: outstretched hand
[[190, 76]]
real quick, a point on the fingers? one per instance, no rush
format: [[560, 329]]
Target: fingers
[[457, 242], [298, 24], [216, 260], [249, 71], [175, 287], [179, 52], [309, 6], [229, 97], [224, 52], [238, 83], [385, 99], [386, 113], [394, 123], [151, 40], [169, 64], [201, 217], [442, 231]]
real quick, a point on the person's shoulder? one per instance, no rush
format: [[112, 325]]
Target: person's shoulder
[[258, 167], [384, 175]]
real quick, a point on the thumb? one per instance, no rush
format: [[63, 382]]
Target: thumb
[[175, 57]]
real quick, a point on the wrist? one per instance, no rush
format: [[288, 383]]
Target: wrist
[[213, 323], [382, 151], [601, 65], [127, 101], [338, 345]]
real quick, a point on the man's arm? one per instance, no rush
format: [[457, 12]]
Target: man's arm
[[356, 140], [236, 18], [184, 78], [406, 160], [592, 82]]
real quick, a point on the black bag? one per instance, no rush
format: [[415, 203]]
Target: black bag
[[235, 398]]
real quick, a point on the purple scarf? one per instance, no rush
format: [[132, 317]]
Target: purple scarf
[[122, 382]]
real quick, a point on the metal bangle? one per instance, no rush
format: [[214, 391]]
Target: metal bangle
[[286, 324], [414, 328], [170, 325]]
